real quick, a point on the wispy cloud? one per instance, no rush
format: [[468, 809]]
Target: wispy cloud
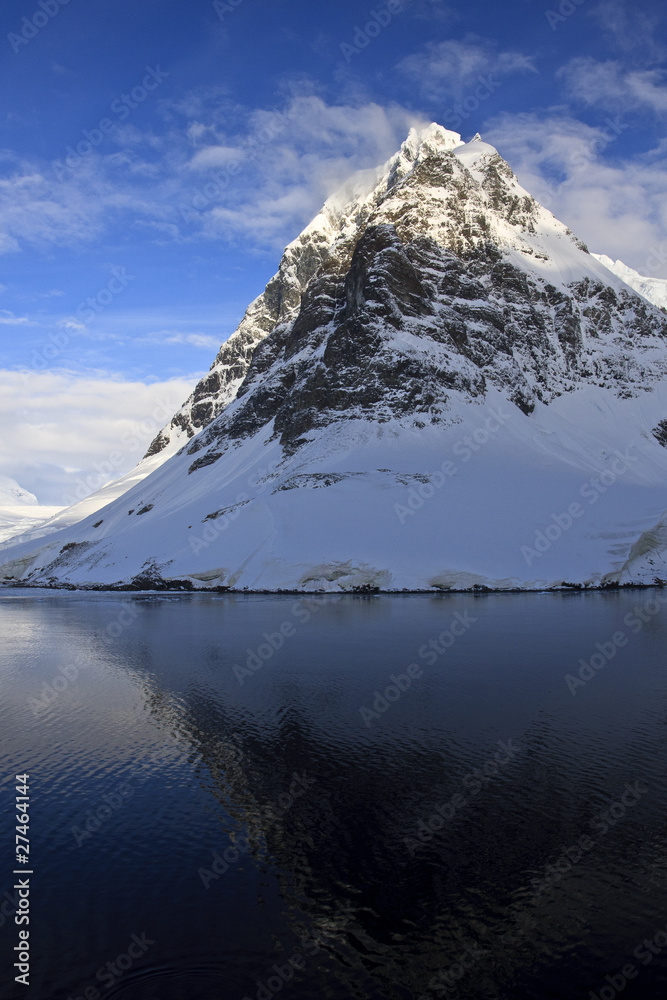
[[8, 318], [612, 85], [290, 158], [617, 205], [168, 338], [446, 70], [431, 10], [630, 29]]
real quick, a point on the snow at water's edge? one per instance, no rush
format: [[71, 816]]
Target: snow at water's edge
[[573, 495]]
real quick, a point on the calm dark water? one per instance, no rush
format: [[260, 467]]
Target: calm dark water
[[200, 831]]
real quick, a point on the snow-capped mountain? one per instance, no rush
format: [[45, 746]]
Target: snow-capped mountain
[[653, 289], [20, 510], [13, 495], [441, 388]]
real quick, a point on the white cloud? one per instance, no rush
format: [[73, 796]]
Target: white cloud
[[617, 206], [290, 157], [173, 337], [293, 161], [612, 85], [631, 30], [59, 427], [7, 318], [215, 156], [448, 70], [71, 324]]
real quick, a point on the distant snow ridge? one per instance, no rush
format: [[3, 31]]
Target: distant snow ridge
[[653, 289], [20, 511], [441, 388], [11, 494]]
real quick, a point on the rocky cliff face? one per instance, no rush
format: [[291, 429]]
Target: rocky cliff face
[[448, 276], [427, 395], [281, 301]]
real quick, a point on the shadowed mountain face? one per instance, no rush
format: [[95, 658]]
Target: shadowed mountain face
[[447, 275]]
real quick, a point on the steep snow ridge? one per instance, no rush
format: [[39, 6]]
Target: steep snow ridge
[[23, 521], [13, 495], [19, 509], [653, 289], [440, 389], [47, 520], [339, 219]]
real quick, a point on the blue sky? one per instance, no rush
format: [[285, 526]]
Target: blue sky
[[156, 156]]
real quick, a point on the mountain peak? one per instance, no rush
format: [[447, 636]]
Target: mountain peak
[[434, 136], [12, 494], [430, 308]]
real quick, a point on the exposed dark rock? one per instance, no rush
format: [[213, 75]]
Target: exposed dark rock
[[660, 433], [385, 321]]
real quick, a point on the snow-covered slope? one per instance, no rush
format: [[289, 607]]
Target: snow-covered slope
[[441, 388], [19, 509], [32, 523], [21, 521], [653, 289], [13, 495]]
